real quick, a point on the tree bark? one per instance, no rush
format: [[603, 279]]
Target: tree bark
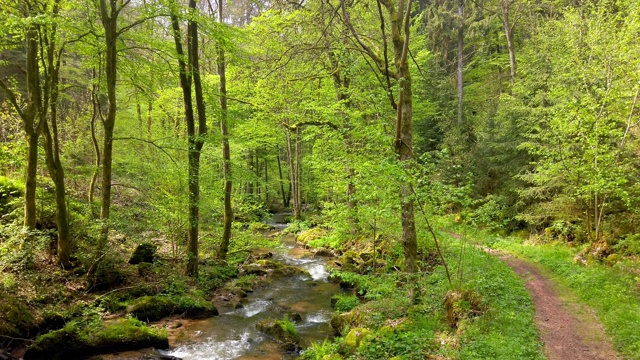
[[31, 120], [96, 146], [293, 158], [30, 180], [404, 127], [52, 143], [109, 18], [460, 63], [285, 201], [191, 76], [226, 155], [508, 30]]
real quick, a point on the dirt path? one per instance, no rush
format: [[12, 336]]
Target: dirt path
[[568, 329]]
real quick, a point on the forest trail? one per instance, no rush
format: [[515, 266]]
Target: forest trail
[[568, 329]]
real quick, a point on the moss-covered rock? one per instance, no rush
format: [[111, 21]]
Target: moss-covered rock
[[77, 341], [355, 336], [144, 253], [283, 331], [153, 308], [461, 304], [332, 357], [341, 322], [309, 235], [15, 317]]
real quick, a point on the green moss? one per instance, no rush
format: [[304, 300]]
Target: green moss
[[342, 322], [307, 236], [77, 340], [355, 336], [15, 317], [127, 331], [144, 253], [153, 308]]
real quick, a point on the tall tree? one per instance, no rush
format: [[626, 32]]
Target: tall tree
[[43, 74], [226, 154], [190, 75], [110, 11], [51, 65], [30, 114], [399, 15]]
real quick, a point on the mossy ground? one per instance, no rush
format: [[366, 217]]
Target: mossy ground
[[77, 339]]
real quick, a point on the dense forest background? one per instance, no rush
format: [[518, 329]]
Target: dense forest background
[[187, 122], [524, 114]]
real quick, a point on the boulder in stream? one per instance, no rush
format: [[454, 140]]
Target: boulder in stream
[[267, 267], [283, 331], [153, 308]]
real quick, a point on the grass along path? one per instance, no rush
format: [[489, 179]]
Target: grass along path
[[611, 291], [568, 330]]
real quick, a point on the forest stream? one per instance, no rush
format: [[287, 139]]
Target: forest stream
[[233, 334]]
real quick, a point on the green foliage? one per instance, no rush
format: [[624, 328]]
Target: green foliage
[[296, 227], [327, 350], [344, 303], [629, 245], [288, 327], [20, 250], [9, 192]]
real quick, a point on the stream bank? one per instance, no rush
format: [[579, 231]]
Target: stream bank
[[287, 283]]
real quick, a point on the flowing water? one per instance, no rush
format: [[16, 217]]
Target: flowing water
[[233, 335]]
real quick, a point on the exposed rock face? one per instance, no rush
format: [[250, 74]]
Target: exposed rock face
[[145, 252]]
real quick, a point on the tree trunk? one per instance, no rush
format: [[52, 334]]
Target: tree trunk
[[341, 84], [285, 201], [32, 126], [149, 117], [293, 157], [30, 181], [109, 17], [56, 172], [508, 30], [52, 149], [460, 62], [249, 160], [226, 155], [404, 130], [96, 146], [193, 157]]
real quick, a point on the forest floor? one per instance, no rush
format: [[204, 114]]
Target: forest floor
[[568, 329]]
